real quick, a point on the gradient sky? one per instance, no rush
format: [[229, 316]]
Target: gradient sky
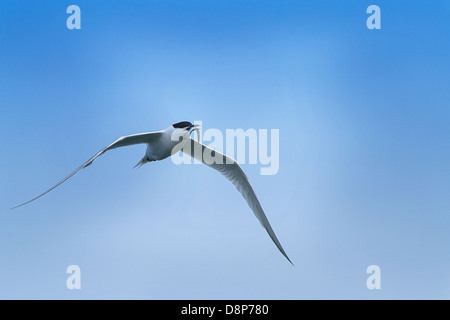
[[364, 120]]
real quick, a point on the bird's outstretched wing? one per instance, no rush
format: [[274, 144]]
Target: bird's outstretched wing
[[233, 172], [121, 142]]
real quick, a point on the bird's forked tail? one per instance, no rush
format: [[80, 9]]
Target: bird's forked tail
[[143, 161]]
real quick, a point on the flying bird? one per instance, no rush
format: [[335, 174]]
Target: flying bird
[[162, 144]]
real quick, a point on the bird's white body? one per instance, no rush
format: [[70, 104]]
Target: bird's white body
[[162, 144], [165, 144]]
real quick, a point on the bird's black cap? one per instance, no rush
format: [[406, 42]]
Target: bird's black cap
[[183, 124]]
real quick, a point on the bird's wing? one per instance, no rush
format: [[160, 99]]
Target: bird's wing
[[233, 172], [121, 142]]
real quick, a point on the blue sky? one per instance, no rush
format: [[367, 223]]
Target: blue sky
[[364, 177]]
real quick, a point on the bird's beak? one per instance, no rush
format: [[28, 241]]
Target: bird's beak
[[196, 129]]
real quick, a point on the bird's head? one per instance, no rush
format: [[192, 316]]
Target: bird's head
[[188, 127]]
